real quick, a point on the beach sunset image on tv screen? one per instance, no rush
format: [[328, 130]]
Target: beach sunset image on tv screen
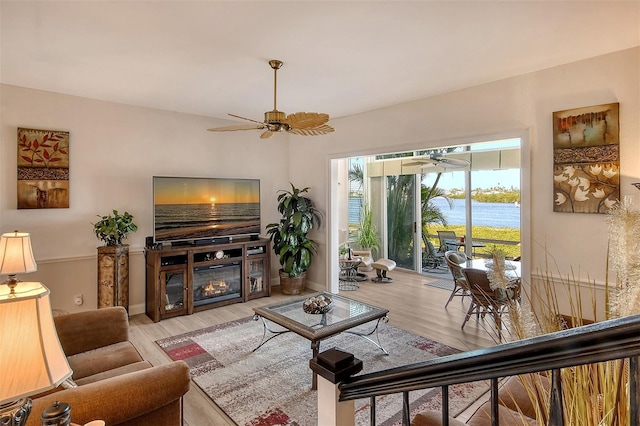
[[197, 208]]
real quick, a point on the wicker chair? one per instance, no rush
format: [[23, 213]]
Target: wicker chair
[[455, 261], [484, 299]]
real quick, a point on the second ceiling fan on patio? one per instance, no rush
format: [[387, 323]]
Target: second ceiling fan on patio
[[299, 123], [438, 160]]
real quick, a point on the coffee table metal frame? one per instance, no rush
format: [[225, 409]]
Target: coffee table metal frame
[[317, 327]]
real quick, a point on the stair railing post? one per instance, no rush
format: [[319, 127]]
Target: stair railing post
[[332, 367]]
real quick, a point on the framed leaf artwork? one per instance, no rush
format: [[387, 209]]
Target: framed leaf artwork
[[586, 159], [43, 169]]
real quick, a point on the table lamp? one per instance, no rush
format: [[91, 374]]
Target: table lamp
[[31, 357], [16, 256]]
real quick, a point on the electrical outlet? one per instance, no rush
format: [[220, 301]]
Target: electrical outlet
[[77, 299]]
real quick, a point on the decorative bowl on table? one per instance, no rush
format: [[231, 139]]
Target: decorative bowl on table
[[320, 304]]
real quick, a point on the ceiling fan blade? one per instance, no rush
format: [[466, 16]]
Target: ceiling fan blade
[[316, 131], [235, 127], [454, 163], [266, 134], [419, 162], [245, 118], [306, 120]]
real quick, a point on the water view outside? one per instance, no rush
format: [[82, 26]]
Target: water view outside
[[498, 215]]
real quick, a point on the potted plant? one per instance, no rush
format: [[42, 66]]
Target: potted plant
[[113, 258], [368, 235], [290, 237]]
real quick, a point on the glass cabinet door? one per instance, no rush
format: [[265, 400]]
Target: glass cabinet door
[[174, 291], [257, 284]]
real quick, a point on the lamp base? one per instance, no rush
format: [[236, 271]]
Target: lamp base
[[15, 413]]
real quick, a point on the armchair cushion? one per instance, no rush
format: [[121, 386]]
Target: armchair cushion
[[515, 393], [84, 331], [102, 359], [114, 372]]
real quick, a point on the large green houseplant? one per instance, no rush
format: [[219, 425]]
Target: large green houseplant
[[113, 258], [290, 237]]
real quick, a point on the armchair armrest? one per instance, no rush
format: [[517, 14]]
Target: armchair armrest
[[84, 331], [122, 398]]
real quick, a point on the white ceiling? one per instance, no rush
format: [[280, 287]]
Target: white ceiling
[[342, 58]]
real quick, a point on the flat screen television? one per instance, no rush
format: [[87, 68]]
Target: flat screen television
[[187, 209]]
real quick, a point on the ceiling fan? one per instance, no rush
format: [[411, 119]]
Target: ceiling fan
[[299, 123], [438, 160]]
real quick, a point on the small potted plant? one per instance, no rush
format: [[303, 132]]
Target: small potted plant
[[114, 228], [113, 258], [290, 237]]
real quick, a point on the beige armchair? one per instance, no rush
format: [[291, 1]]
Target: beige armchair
[[112, 381]]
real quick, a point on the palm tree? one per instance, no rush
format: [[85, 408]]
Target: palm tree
[[356, 174], [432, 214]]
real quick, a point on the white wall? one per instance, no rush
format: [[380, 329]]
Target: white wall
[[522, 104], [115, 150]]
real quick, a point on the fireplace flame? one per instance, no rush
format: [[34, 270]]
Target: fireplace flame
[[214, 288]]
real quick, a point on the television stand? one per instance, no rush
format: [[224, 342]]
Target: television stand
[[183, 279]]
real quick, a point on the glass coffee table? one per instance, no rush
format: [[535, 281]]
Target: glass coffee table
[[344, 315]]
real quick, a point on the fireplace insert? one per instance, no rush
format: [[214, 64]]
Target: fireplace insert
[[216, 283]]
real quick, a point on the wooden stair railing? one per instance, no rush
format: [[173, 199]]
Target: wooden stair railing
[[603, 341]]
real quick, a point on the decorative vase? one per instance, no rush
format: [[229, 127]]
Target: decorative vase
[[292, 285]]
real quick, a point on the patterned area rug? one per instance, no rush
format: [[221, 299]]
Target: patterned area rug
[[444, 284], [272, 386]]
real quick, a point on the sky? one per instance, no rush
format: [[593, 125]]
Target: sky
[[483, 179]]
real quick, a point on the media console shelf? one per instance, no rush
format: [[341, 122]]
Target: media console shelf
[[181, 280]]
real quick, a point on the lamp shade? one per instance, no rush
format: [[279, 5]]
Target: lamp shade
[[31, 357], [16, 256]]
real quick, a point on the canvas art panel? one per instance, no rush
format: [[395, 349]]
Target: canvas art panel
[[43, 169], [586, 157]]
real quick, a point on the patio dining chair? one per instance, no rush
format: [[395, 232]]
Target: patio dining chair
[[455, 261], [446, 237], [433, 259], [484, 299]]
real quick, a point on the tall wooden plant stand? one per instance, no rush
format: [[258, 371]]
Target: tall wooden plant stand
[[113, 276]]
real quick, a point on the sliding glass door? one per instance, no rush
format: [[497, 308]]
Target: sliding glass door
[[401, 220]]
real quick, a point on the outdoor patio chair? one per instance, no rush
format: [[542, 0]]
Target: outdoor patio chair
[[456, 261], [433, 259], [447, 236], [485, 300]]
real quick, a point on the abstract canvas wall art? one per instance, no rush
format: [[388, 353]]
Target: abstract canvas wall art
[[586, 159], [43, 169]]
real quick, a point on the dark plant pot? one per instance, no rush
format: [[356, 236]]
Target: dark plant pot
[[292, 285]]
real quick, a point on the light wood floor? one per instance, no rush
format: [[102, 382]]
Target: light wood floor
[[412, 306]]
